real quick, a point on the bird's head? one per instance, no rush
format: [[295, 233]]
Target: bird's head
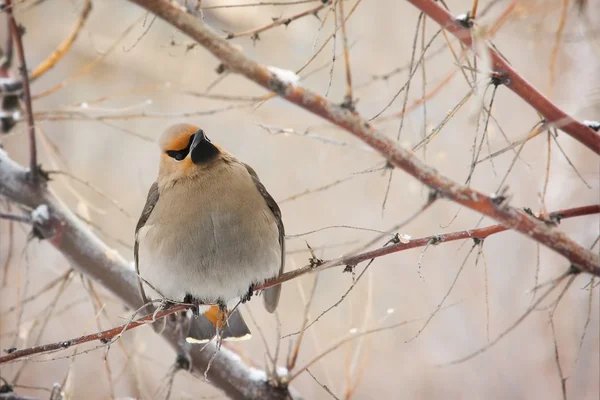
[[185, 151]]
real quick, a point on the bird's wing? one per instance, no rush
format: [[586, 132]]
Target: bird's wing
[[271, 295], [150, 203]]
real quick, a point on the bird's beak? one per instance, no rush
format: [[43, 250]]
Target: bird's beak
[[201, 149]]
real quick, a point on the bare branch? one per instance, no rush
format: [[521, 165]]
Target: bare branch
[[104, 336], [480, 233], [513, 80], [64, 47], [278, 22], [17, 36]]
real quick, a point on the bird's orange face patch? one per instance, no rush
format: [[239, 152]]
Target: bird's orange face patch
[[179, 142], [177, 160], [177, 137]]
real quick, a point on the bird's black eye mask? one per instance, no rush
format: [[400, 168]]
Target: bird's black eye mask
[[201, 148], [181, 154]]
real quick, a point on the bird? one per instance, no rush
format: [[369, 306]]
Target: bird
[[207, 235]]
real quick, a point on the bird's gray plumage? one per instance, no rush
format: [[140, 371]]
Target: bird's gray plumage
[[271, 295]]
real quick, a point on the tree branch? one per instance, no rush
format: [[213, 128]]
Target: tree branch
[[15, 396], [495, 207], [17, 36], [90, 256], [15, 217], [64, 47], [512, 79], [278, 22], [480, 234], [105, 336]]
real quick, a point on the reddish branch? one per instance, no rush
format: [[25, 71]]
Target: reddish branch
[[279, 21], [17, 36], [480, 234], [512, 79], [104, 336], [399, 157]]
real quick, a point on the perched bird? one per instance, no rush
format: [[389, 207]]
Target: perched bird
[[208, 233]]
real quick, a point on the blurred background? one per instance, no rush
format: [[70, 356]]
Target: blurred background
[[128, 76]]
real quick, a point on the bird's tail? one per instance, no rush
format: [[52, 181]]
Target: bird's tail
[[204, 328]]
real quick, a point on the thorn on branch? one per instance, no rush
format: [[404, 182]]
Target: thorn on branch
[[465, 20], [190, 47], [593, 125], [553, 218], [498, 78], [556, 218], [529, 212], [498, 200], [433, 195], [349, 104], [40, 173], [277, 85], [395, 239], [44, 225], [501, 199], [221, 68], [574, 270], [313, 261], [22, 30], [435, 240]]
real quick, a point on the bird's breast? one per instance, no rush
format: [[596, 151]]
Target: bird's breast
[[212, 238]]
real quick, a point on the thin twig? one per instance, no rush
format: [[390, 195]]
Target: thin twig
[[256, 4], [64, 47], [563, 380], [103, 336], [557, 39], [513, 80], [16, 217], [254, 33], [319, 383], [532, 307], [343, 341], [17, 36], [349, 98], [441, 303]]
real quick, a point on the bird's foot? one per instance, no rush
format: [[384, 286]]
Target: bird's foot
[[189, 299], [248, 295], [222, 306]]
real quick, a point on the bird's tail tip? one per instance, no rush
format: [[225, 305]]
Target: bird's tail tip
[[202, 330]]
